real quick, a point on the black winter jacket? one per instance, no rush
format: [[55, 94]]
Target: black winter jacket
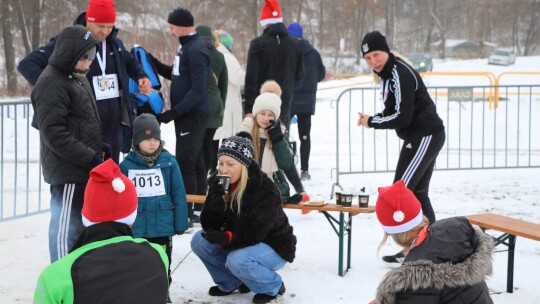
[[449, 266], [70, 129], [34, 63], [305, 90], [261, 218], [273, 56], [408, 108]]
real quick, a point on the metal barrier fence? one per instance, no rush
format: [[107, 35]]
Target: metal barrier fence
[[21, 184], [478, 135]]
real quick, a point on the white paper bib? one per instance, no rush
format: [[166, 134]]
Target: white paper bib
[[147, 182]]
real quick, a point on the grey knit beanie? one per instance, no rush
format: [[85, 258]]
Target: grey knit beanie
[[145, 126]]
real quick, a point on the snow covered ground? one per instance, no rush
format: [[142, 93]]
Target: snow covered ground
[[312, 278]]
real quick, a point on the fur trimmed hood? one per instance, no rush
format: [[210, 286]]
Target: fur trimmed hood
[[425, 274]]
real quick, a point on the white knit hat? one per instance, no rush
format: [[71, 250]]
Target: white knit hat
[[269, 99]]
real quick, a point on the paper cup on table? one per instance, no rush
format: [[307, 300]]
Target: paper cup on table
[[363, 200], [338, 198], [346, 200]]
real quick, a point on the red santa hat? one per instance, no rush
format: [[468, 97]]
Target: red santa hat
[[109, 196], [101, 11], [270, 13], [398, 210]]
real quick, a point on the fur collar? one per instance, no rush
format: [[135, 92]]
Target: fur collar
[[423, 274]]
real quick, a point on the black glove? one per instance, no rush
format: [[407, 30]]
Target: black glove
[[222, 238], [96, 161], [145, 108], [166, 116], [106, 151], [274, 131], [215, 189], [295, 199]]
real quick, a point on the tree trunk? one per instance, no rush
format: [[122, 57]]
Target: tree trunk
[[24, 27], [9, 50], [36, 23], [321, 24]]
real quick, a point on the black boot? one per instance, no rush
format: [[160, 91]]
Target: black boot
[[265, 298], [216, 292], [397, 258]]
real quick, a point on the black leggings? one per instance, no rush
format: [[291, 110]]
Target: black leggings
[[304, 128], [167, 244]]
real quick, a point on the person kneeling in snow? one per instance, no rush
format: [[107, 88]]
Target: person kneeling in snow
[[246, 235], [106, 264], [445, 262]]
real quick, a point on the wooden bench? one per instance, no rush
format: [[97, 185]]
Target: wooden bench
[[340, 225], [511, 228]]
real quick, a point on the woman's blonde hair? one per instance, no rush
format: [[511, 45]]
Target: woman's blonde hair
[[405, 239], [256, 139], [238, 193]]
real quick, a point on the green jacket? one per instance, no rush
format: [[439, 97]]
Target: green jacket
[[107, 266]]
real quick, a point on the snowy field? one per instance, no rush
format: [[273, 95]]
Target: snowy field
[[312, 277]]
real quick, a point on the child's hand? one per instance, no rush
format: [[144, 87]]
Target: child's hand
[[274, 131]]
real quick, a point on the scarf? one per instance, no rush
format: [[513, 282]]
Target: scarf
[[149, 159], [268, 162]]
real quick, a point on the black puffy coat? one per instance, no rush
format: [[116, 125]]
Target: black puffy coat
[[275, 55], [449, 266], [261, 218], [305, 91], [70, 129]]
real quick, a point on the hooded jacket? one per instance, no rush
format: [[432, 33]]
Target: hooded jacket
[[34, 63], [449, 266], [70, 129], [275, 55], [408, 108], [305, 90], [261, 218]]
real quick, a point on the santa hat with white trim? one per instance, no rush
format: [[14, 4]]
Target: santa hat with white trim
[[398, 210], [109, 196], [270, 13]]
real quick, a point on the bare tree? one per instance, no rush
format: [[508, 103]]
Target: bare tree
[[9, 49]]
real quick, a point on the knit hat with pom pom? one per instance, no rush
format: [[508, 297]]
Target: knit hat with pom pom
[[269, 99], [109, 196], [398, 210]]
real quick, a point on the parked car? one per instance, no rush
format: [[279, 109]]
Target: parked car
[[422, 62], [502, 57]]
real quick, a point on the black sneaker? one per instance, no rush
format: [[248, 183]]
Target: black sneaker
[[397, 258], [216, 292], [304, 175], [265, 298]]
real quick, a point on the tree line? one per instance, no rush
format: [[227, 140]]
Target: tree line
[[409, 25]]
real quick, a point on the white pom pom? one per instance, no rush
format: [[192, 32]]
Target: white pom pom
[[274, 13], [399, 216], [118, 185]]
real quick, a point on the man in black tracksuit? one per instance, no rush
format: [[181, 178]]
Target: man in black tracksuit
[[189, 76], [409, 110], [275, 55], [115, 110]]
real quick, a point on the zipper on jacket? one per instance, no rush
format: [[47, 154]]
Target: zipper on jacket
[[278, 41]]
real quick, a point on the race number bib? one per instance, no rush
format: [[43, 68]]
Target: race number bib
[[176, 66], [147, 182], [106, 86]]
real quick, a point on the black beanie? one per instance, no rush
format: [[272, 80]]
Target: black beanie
[[374, 41], [180, 17], [239, 147], [145, 126]]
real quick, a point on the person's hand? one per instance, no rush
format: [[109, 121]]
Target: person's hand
[[363, 120], [145, 86], [373, 301], [274, 131], [106, 151], [166, 116], [248, 115], [327, 76], [221, 238], [145, 108], [215, 188], [96, 161], [179, 232]]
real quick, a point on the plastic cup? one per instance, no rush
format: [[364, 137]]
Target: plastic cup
[[363, 200]]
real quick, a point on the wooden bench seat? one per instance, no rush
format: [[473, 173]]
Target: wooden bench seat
[[510, 227], [340, 225]]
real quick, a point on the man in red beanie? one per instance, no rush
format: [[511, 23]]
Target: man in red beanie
[[106, 264], [275, 55], [108, 76]]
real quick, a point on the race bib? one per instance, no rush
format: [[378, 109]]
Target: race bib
[[176, 66], [147, 182], [106, 86]]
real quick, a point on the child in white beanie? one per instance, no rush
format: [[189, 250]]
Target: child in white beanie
[[272, 151]]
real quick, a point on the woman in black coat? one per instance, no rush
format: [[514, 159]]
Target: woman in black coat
[[246, 236], [446, 261]]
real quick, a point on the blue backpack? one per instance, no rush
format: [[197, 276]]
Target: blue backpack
[[152, 103]]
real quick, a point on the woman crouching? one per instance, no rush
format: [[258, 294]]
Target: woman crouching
[[246, 236], [446, 262]]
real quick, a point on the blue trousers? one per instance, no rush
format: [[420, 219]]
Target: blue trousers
[[254, 266]]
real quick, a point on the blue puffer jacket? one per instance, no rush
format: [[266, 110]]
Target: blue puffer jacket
[[159, 215]]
